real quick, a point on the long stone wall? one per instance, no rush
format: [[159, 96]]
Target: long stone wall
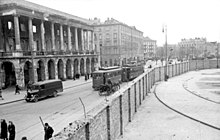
[[108, 120]]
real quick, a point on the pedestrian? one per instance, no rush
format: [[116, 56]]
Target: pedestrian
[[74, 77], [11, 130], [85, 77], [4, 130], [48, 131], [1, 94], [17, 89], [29, 86], [88, 75]]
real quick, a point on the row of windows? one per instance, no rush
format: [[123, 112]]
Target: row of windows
[[110, 51]]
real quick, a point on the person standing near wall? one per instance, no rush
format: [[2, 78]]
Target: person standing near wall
[[4, 130], [48, 131], [11, 130]]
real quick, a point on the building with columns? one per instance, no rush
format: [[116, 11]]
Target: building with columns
[[39, 43], [149, 48], [118, 43]]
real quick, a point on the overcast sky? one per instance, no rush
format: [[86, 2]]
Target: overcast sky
[[184, 18]]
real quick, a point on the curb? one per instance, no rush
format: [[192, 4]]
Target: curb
[[181, 113], [11, 101], [18, 100]]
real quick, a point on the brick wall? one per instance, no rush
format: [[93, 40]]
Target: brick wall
[[108, 120]]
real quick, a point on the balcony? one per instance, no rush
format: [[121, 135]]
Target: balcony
[[44, 53]]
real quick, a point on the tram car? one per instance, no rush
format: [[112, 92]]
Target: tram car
[[101, 76], [116, 74], [131, 71]]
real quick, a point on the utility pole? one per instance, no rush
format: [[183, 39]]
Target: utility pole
[[165, 70]]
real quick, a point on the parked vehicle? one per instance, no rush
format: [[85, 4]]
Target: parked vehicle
[[44, 89]]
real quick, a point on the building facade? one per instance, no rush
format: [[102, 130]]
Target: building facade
[[39, 43], [149, 48], [118, 43], [192, 48]]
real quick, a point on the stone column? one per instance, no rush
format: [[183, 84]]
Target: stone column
[[87, 37], [1, 37], [31, 38], [17, 33], [76, 40], [92, 42], [35, 79], [46, 71], [85, 71], [71, 71], [42, 35], [69, 38], [64, 71], [19, 74], [56, 70], [79, 67], [61, 37], [90, 66], [53, 37], [82, 40]]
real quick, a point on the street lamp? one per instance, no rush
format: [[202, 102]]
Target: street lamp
[[165, 70]]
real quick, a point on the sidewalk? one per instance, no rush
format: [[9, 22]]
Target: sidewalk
[[10, 97], [155, 121]]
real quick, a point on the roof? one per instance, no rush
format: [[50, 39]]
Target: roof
[[47, 81], [104, 71], [46, 10]]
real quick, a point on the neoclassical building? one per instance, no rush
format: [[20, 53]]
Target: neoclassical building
[[119, 43], [39, 43]]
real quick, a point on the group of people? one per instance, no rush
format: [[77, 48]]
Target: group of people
[[5, 129]]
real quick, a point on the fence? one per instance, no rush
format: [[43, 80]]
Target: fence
[[108, 120]]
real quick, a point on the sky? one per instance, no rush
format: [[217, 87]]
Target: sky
[[183, 18]]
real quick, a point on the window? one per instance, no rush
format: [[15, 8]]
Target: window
[[100, 36], [115, 35], [34, 29], [115, 42], [23, 29], [95, 37], [58, 32], [64, 33], [10, 25], [107, 36]]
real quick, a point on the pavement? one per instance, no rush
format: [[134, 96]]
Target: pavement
[[9, 95], [186, 107]]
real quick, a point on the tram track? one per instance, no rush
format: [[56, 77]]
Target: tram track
[[184, 85], [181, 113]]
